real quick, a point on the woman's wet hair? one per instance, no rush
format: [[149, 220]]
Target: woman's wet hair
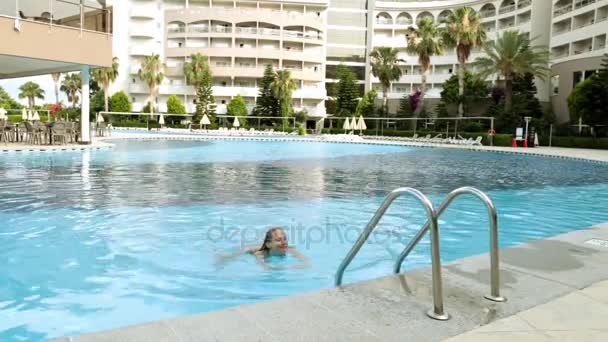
[[267, 238]]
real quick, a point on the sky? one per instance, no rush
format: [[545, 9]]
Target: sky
[[45, 81]]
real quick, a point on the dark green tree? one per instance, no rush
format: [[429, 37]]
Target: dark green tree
[[405, 108], [238, 108], [524, 95], [7, 102], [366, 106], [97, 103], [589, 99], [347, 92], [119, 102], [267, 104], [175, 106], [475, 91]]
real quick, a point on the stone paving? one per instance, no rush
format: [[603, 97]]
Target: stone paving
[[579, 316]]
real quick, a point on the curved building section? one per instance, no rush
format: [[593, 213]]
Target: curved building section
[[240, 38], [578, 41], [391, 19]]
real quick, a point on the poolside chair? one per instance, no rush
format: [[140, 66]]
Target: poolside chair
[[3, 131], [59, 132], [477, 141]]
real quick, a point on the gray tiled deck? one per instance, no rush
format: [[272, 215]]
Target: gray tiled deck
[[393, 308]]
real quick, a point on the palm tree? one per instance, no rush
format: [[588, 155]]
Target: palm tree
[[56, 77], [151, 72], [463, 32], [31, 91], [196, 70], [385, 68], [72, 85], [105, 77], [425, 41], [510, 57], [282, 87]]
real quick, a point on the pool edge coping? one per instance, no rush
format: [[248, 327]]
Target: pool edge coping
[[461, 276]]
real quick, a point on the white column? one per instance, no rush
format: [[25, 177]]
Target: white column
[[85, 132]]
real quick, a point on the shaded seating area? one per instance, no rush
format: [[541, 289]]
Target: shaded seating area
[[39, 133]]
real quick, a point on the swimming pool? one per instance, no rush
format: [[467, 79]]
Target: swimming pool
[[101, 239]]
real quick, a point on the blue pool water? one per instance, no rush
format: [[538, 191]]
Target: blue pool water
[[102, 239]]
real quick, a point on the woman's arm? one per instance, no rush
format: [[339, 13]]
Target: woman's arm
[[304, 261]]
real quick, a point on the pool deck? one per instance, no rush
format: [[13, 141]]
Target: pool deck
[[556, 288]]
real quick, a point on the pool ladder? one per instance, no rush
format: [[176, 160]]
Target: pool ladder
[[432, 224]]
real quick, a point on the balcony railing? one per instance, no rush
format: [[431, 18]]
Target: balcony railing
[[487, 14], [180, 29], [559, 54], [585, 24], [560, 30], [247, 30], [506, 9], [402, 21], [66, 13], [562, 10], [524, 3], [582, 3], [198, 29], [221, 29]]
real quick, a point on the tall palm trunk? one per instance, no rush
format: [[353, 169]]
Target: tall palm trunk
[[56, 92], [106, 106], [425, 72], [461, 66], [508, 93], [385, 100]]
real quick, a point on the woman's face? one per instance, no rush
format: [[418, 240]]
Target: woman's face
[[278, 244]]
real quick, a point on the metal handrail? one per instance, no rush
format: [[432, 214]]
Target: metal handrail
[[437, 312], [494, 267]]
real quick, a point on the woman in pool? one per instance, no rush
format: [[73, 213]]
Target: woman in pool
[[276, 244]]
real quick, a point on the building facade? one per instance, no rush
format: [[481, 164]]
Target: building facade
[[312, 37], [239, 39]]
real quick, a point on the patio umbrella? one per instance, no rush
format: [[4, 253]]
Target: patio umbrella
[[36, 116], [30, 115], [236, 122], [353, 124], [24, 114], [161, 120], [346, 125], [205, 120], [361, 124], [3, 114], [100, 118]]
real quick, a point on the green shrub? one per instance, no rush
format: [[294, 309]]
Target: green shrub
[[175, 106], [577, 142], [473, 127], [146, 108], [301, 129], [119, 102]]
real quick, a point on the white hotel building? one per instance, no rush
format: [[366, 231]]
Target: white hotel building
[[311, 37]]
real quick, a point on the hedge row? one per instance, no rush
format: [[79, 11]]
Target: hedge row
[[577, 142]]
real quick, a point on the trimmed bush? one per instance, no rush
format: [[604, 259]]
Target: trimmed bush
[[175, 106], [119, 102]]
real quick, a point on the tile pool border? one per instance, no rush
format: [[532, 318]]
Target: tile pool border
[[392, 308], [56, 149], [494, 149]]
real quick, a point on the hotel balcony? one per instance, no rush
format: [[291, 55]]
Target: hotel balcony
[[144, 12], [231, 15], [42, 37]]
